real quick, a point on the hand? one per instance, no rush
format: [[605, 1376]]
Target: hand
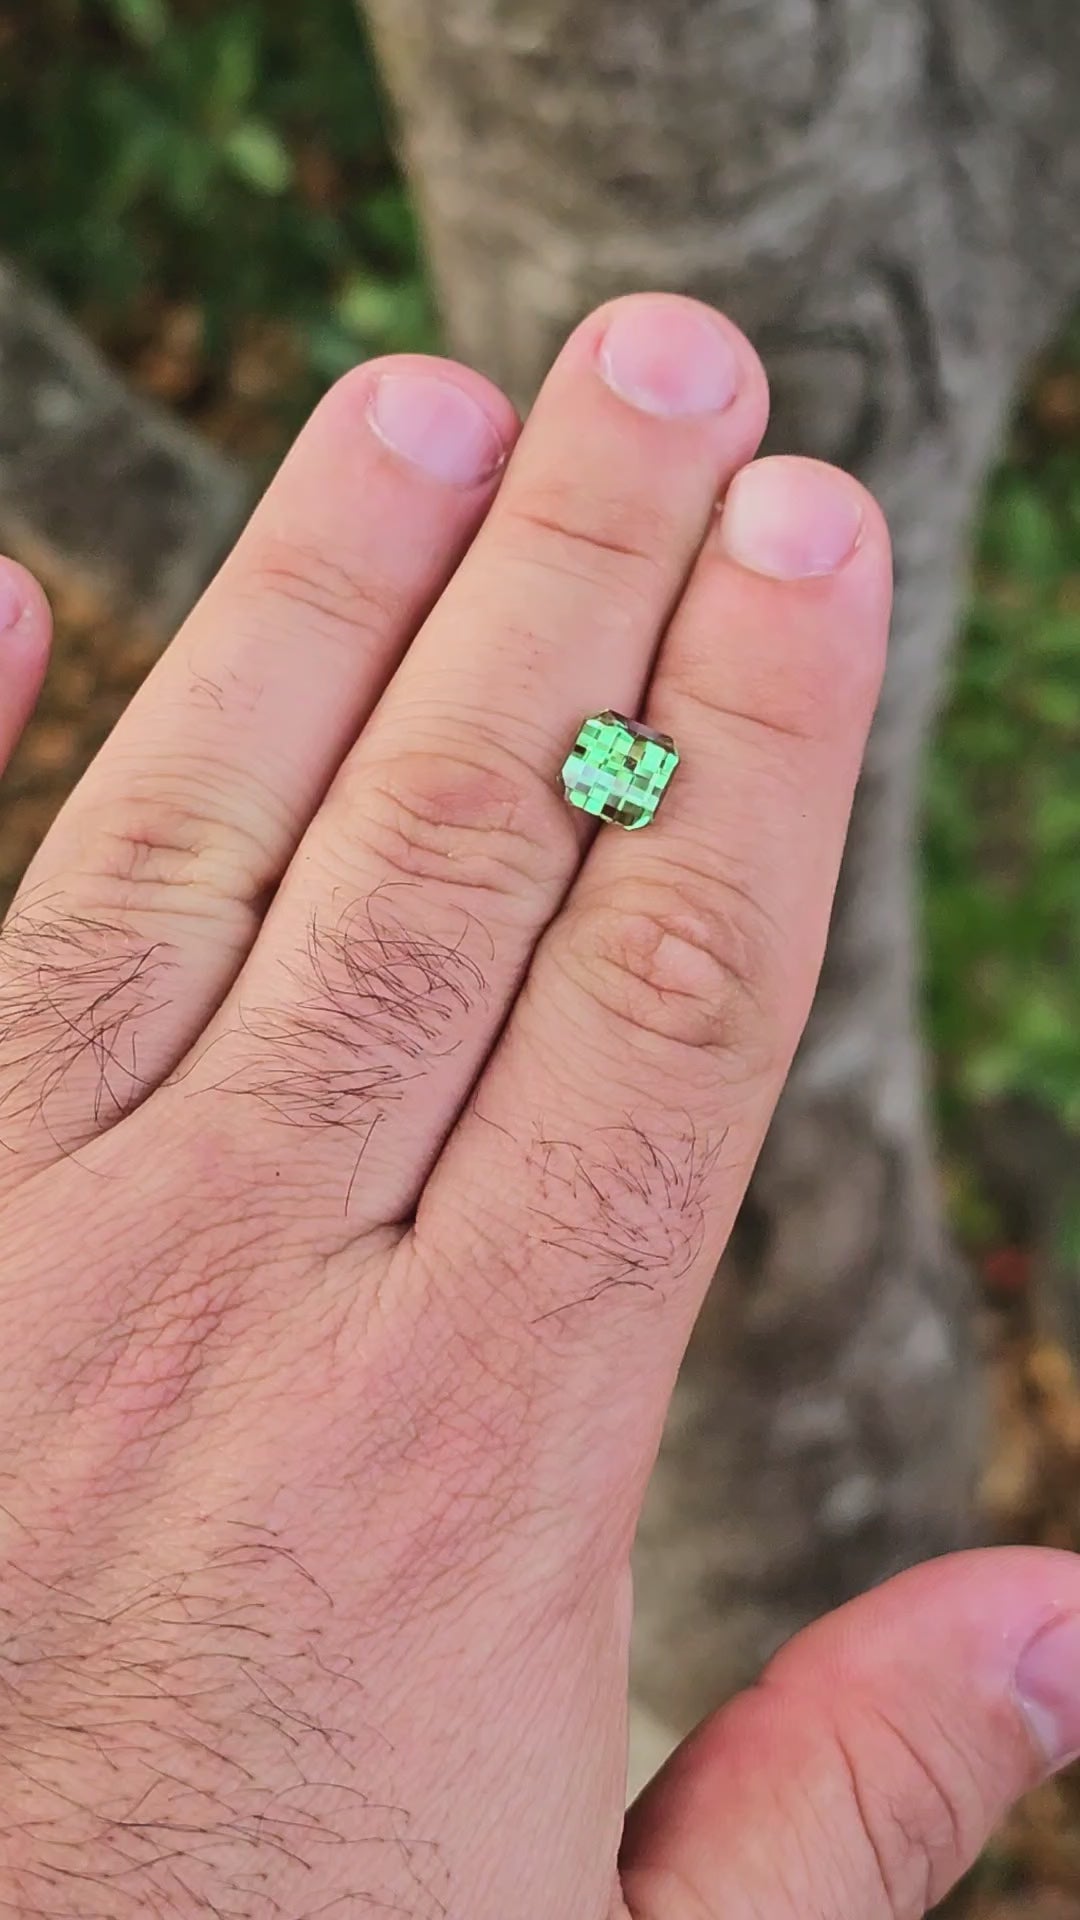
[[370, 1135]]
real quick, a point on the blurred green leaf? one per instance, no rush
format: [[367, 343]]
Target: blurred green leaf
[[230, 58], [378, 314], [189, 174], [257, 155], [146, 22], [1022, 531], [366, 306], [1056, 702]]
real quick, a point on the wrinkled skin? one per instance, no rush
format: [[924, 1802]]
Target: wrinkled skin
[[371, 1130]]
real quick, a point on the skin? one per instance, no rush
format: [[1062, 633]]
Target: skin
[[371, 1130]]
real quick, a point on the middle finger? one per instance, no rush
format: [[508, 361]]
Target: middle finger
[[392, 954]]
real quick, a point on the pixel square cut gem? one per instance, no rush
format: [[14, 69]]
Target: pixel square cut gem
[[619, 771]]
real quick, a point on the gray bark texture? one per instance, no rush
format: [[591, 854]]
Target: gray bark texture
[[883, 193], [97, 486]]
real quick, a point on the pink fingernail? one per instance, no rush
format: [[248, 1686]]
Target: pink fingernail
[[12, 604], [791, 519], [1048, 1688], [438, 427], [669, 358]]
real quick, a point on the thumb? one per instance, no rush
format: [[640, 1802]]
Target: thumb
[[861, 1776], [24, 646]]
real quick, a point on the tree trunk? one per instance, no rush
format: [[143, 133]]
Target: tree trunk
[[99, 488], [880, 192]]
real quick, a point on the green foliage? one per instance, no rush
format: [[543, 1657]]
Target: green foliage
[[231, 152], [1003, 829]]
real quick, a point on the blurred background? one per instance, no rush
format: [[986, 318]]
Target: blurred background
[[209, 191]]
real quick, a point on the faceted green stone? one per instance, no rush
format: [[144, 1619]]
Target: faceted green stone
[[619, 771]]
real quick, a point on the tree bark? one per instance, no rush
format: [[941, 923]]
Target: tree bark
[[98, 486], [880, 192]]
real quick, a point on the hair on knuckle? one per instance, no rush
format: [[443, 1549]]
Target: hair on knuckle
[[74, 992], [625, 1213], [370, 1006]]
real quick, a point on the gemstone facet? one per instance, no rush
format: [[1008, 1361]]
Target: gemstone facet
[[619, 771]]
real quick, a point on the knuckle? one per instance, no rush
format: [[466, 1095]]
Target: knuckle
[[665, 1889], [305, 582], [682, 962], [615, 541], [74, 990], [783, 710], [164, 849], [921, 1819], [479, 825]]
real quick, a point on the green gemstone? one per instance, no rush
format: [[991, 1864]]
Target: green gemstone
[[619, 771]]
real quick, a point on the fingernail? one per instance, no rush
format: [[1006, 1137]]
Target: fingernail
[[791, 519], [669, 359], [1048, 1688], [12, 604], [438, 427]]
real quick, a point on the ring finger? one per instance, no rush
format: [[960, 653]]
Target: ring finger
[[591, 1185]]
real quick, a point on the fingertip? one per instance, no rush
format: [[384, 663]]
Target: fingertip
[[791, 519], [25, 621], [801, 556], [670, 354], [1002, 1625], [993, 1595], [440, 417], [22, 599], [25, 634]]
